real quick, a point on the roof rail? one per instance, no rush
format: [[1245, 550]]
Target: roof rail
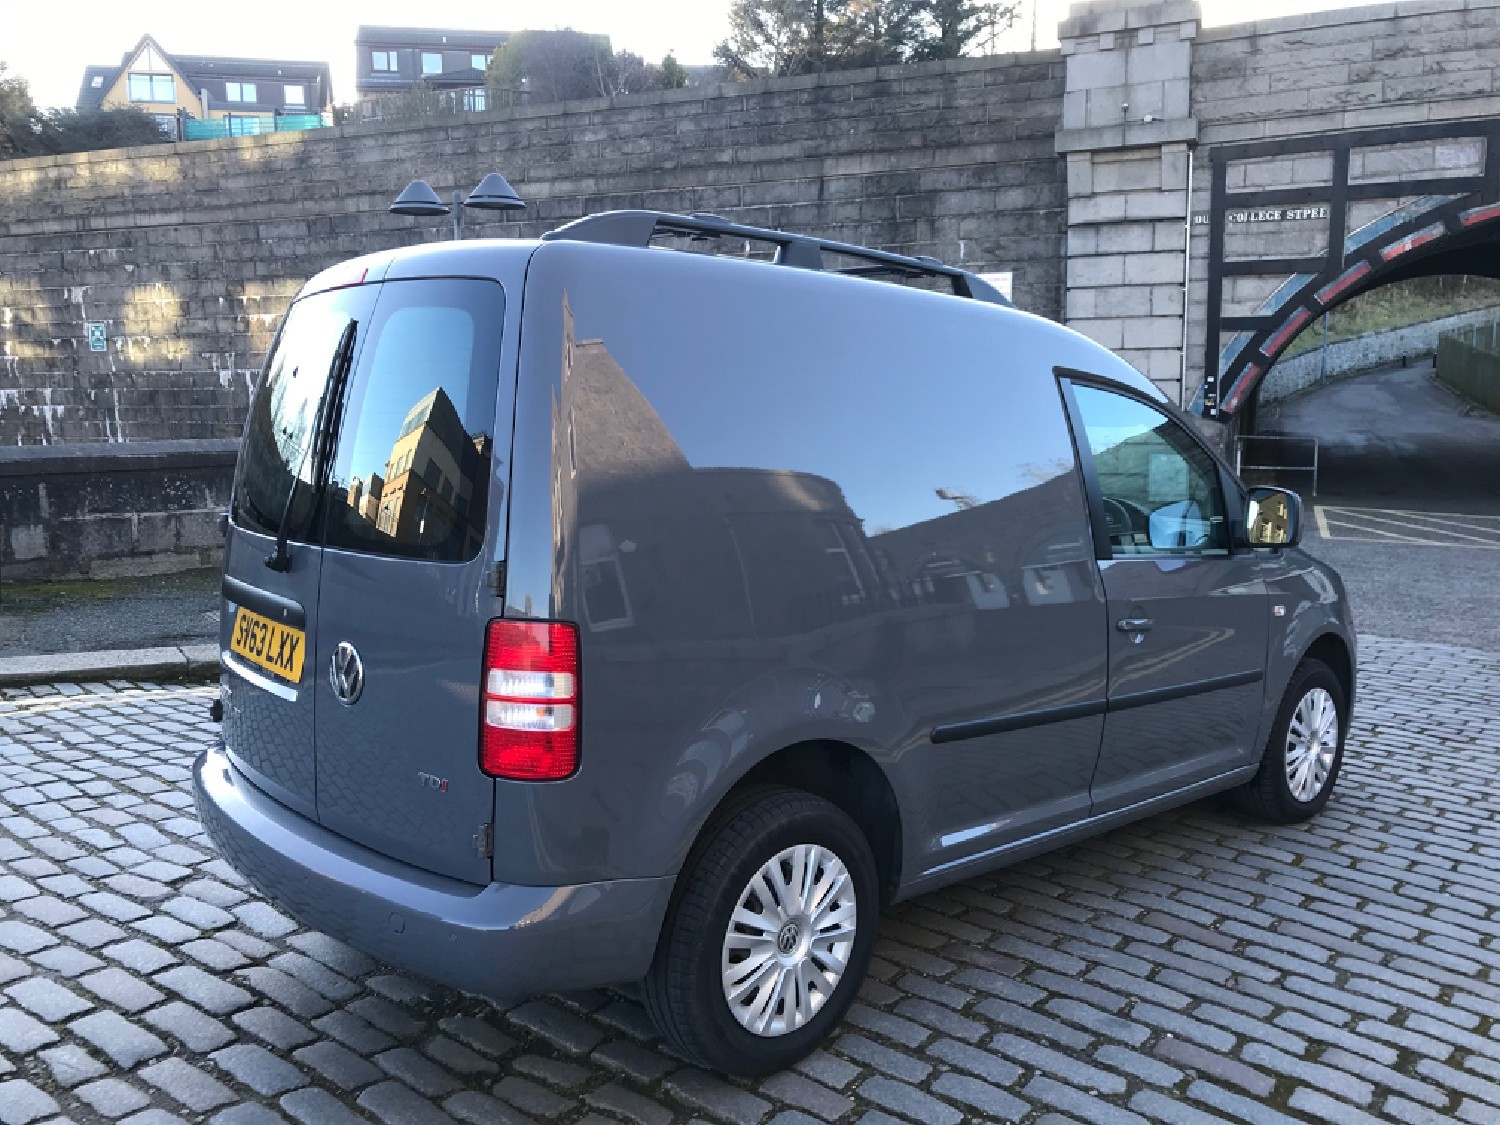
[[638, 228]]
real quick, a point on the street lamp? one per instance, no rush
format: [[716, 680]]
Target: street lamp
[[492, 194]]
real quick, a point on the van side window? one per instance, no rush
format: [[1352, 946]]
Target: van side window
[[1161, 491], [412, 470]]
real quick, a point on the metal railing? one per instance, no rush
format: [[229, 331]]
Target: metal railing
[[1292, 453], [422, 102]]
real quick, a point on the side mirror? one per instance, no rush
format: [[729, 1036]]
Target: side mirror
[[1273, 518]]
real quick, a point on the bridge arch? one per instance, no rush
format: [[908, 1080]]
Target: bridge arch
[[1386, 205]]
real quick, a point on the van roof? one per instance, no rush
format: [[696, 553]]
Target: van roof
[[502, 259]]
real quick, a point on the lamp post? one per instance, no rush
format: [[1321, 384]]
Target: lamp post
[[493, 193]]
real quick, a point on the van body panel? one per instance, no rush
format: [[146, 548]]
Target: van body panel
[[497, 940], [408, 575], [1185, 698], [269, 721], [781, 507], [268, 725], [744, 516]]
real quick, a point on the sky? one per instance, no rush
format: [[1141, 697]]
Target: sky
[[49, 44]]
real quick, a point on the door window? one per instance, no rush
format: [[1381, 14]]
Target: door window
[[411, 473], [1160, 489]]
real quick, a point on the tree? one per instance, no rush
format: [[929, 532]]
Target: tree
[[674, 75], [775, 38], [15, 107], [48, 132], [553, 66], [954, 26], [28, 131], [769, 38]]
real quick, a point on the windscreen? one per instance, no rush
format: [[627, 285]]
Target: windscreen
[[278, 441]]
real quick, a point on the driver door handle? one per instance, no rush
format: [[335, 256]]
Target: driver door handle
[[1133, 624]]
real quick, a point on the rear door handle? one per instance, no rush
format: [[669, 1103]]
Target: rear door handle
[[1133, 624]]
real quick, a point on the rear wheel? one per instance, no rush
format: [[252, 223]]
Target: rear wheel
[[1305, 750], [769, 936]]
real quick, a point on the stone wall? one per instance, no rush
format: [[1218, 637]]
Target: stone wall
[[110, 510], [1149, 93], [188, 253]]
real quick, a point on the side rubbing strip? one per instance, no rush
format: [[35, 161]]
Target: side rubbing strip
[[977, 728], [953, 732], [1183, 691]]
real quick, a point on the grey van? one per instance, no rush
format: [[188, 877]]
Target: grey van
[[598, 609]]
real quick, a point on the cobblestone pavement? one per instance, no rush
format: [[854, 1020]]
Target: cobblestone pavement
[[1193, 968]]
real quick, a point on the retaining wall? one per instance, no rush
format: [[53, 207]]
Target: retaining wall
[[106, 511]]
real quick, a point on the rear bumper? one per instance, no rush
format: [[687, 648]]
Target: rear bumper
[[499, 940]]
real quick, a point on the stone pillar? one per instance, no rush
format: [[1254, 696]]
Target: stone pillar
[[1127, 135]]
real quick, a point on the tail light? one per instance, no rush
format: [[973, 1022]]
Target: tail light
[[529, 730]]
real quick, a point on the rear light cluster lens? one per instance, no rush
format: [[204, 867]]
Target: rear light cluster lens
[[530, 727]]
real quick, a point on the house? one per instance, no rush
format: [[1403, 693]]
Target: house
[[247, 95], [388, 60]]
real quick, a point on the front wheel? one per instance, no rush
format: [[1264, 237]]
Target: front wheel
[[769, 937], [1305, 750]]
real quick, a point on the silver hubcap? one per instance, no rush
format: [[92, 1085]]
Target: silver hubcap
[[1312, 740], [789, 940]]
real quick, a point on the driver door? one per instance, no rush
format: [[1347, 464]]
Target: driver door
[[1188, 616]]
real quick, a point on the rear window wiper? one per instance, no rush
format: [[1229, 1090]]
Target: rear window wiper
[[320, 441]]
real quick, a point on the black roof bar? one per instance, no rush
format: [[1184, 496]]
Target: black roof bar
[[638, 228]]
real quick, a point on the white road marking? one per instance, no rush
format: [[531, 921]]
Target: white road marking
[[1417, 529]]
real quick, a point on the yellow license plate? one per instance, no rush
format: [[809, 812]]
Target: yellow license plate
[[263, 642]]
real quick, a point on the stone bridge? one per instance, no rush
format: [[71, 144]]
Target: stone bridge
[[1189, 196]]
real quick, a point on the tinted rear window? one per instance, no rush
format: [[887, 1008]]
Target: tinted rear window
[[412, 468], [278, 435]]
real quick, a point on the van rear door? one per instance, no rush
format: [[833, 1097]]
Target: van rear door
[[269, 610], [407, 578]]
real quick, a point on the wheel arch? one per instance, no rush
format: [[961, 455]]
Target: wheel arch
[[838, 772], [1333, 650]]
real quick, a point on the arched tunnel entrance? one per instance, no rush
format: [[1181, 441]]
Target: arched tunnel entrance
[[1407, 454]]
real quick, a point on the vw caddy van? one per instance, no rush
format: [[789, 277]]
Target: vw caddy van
[[598, 610]]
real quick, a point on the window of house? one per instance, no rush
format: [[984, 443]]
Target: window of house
[[836, 544], [151, 88], [239, 91], [98, 81], [293, 93], [479, 62], [432, 62], [383, 60], [606, 603]]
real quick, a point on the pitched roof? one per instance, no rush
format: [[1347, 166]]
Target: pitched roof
[[456, 39], [191, 67], [89, 95], [221, 66]]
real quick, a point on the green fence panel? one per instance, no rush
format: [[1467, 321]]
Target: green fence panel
[[217, 127], [1471, 370]]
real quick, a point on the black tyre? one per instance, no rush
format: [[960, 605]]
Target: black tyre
[[1304, 752], [768, 936]]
